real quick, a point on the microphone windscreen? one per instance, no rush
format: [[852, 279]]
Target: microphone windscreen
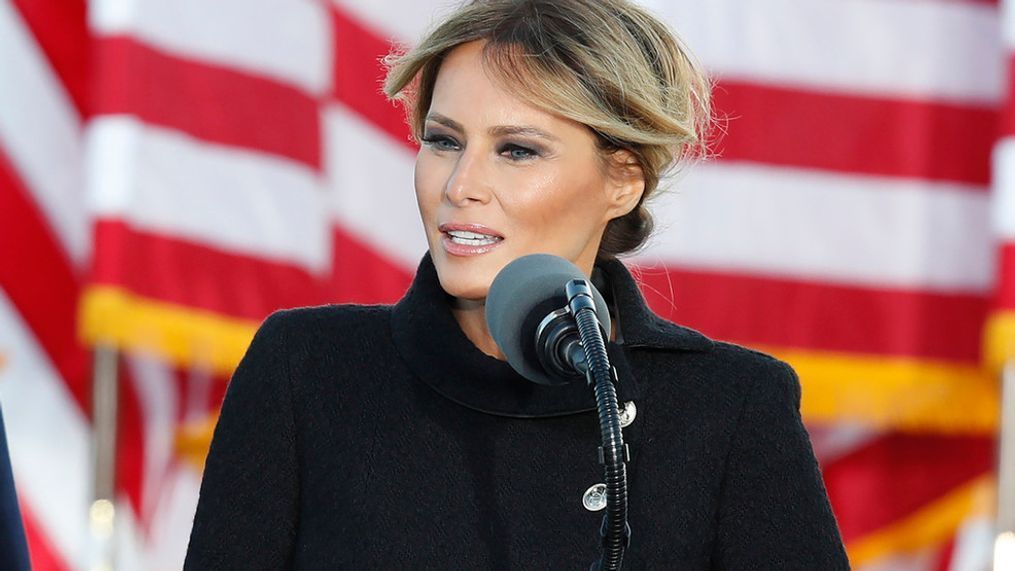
[[522, 294]]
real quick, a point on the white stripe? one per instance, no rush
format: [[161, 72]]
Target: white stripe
[[940, 50], [40, 133], [128, 537], [974, 542], [1003, 181], [169, 530], [833, 441], [371, 187], [289, 41], [1007, 8], [928, 49], [48, 437], [811, 225], [234, 199], [916, 559], [156, 391], [403, 20]]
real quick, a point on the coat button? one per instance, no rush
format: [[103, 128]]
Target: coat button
[[627, 414], [594, 498]]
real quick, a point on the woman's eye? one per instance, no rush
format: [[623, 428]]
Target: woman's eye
[[440, 142], [518, 152]]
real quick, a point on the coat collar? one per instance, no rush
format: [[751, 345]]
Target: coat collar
[[639, 326], [437, 351]]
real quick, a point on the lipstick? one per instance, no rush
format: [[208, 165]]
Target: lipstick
[[468, 239]]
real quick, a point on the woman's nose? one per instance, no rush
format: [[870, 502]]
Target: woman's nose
[[469, 181]]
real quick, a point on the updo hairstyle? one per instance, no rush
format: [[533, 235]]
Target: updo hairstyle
[[607, 64]]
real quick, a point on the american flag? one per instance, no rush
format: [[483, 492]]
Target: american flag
[[172, 172]]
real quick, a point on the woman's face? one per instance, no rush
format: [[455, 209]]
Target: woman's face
[[497, 178]]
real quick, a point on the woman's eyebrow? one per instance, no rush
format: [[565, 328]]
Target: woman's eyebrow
[[497, 131], [523, 130], [446, 121]]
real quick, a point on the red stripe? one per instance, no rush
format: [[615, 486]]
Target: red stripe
[[1005, 298], [856, 134], [359, 75], [896, 474], [1007, 120], [780, 312], [42, 553], [944, 556], [130, 440], [60, 28], [360, 274], [195, 275], [214, 398], [189, 273], [40, 281], [210, 102]]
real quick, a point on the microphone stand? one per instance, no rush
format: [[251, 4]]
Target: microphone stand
[[613, 454]]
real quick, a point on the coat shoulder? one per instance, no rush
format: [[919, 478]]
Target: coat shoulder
[[763, 376], [745, 357], [728, 373], [759, 371]]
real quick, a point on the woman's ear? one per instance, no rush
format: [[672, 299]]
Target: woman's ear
[[625, 183]]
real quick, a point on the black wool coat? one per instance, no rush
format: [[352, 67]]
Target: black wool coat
[[13, 546], [380, 437]]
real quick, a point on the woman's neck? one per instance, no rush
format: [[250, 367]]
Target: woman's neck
[[471, 317]]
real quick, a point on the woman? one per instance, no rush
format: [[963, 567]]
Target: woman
[[396, 437]]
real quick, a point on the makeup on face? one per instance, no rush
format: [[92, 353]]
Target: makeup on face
[[497, 178]]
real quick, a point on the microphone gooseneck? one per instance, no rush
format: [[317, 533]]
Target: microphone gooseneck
[[551, 323], [615, 533]]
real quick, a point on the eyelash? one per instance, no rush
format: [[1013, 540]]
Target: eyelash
[[435, 142], [511, 148]]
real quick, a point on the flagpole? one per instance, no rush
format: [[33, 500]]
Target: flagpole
[[1004, 543], [102, 513]]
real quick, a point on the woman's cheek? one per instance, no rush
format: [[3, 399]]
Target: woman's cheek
[[428, 189], [541, 205]]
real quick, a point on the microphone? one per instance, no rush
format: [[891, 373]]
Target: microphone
[[528, 317], [552, 326]]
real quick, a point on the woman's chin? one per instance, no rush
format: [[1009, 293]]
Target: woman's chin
[[465, 289], [467, 279]]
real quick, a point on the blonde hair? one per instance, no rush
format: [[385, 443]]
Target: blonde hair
[[607, 64]]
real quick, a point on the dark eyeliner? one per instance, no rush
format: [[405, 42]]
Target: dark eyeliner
[[511, 147], [433, 139]]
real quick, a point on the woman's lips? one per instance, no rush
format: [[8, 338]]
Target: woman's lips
[[468, 239]]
